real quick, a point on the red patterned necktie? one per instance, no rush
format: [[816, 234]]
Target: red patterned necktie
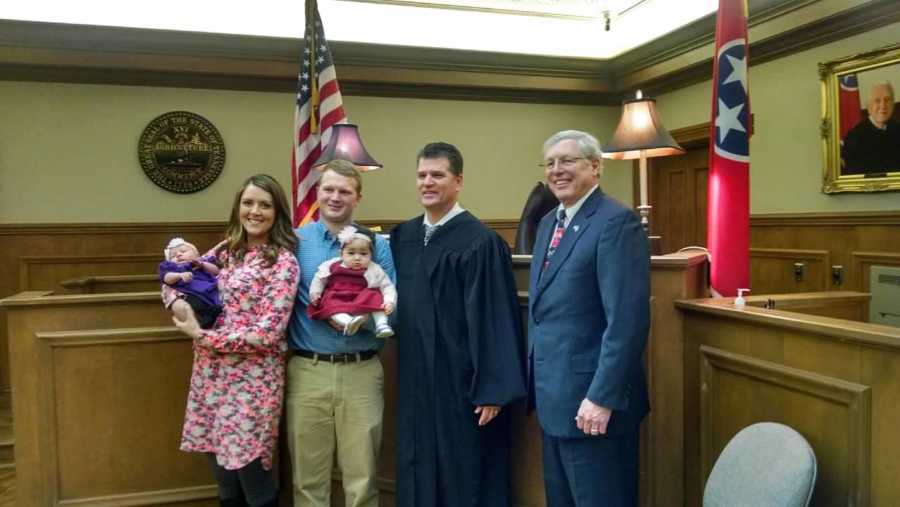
[[557, 236]]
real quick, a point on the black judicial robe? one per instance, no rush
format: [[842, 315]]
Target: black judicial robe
[[866, 149], [460, 345]]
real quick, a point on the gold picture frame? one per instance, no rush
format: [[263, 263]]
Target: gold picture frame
[[843, 170]]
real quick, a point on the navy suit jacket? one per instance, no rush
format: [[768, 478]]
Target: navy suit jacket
[[588, 319]]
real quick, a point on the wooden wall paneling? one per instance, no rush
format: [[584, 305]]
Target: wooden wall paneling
[[676, 222], [673, 276], [526, 469], [840, 365], [840, 234], [861, 263], [48, 272], [387, 465], [772, 270], [677, 191], [81, 242], [881, 369], [111, 283], [31, 313], [199, 496], [48, 254], [700, 205], [506, 228], [114, 410], [832, 414]]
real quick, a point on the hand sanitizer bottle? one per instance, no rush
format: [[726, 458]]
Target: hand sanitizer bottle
[[739, 301]]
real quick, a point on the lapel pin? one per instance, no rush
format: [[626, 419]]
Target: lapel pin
[[575, 228]]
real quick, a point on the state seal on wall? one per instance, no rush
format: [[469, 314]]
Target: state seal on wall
[[181, 152]]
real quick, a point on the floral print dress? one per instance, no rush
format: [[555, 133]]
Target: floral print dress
[[237, 381]]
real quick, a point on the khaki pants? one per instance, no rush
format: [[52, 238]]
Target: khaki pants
[[334, 406]]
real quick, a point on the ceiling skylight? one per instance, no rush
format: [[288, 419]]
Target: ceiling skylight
[[543, 27]]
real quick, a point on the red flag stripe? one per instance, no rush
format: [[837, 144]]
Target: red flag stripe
[[728, 208], [308, 145]]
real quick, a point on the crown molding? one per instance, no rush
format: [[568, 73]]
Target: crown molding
[[32, 51], [810, 29]]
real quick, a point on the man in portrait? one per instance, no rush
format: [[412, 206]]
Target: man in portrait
[[873, 145]]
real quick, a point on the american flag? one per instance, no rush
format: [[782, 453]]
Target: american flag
[[728, 209], [319, 106]]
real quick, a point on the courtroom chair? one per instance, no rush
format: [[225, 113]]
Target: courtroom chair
[[539, 202], [765, 465]]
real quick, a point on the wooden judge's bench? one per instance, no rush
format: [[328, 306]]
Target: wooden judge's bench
[[99, 383]]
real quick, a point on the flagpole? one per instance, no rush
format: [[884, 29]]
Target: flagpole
[[311, 8], [318, 108]]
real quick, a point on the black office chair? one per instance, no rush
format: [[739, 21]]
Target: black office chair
[[540, 201]]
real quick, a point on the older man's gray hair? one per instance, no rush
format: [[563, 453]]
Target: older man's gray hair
[[588, 145]]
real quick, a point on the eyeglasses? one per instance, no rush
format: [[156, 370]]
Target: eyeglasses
[[564, 163]]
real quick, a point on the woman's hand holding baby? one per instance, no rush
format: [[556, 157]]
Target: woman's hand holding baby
[[388, 308]]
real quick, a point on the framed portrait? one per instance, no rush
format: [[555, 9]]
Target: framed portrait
[[861, 122]]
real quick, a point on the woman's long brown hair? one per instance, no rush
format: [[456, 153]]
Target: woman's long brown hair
[[280, 236]]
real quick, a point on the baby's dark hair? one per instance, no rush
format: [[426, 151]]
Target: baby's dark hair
[[365, 231]]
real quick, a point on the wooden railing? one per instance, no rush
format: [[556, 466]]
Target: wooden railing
[[101, 380], [111, 283], [835, 381], [99, 388]]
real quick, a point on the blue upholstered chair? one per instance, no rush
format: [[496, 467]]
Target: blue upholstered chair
[[765, 464]]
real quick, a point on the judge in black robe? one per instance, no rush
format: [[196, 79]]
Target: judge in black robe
[[872, 147], [460, 346]]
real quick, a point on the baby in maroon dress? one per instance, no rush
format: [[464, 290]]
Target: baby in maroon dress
[[348, 288]]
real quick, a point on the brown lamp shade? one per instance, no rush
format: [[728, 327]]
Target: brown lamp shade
[[345, 144], [640, 130]]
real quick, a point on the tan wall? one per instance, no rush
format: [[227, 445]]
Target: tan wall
[[68, 152], [785, 153]]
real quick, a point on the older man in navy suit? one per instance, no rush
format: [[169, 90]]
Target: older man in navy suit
[[587, 327]]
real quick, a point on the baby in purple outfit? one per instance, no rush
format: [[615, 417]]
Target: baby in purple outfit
[[189, 283]]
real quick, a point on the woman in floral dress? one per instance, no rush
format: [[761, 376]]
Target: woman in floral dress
[[235, 399]]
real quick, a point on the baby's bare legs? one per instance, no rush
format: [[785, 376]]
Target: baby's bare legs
[[181, 309]]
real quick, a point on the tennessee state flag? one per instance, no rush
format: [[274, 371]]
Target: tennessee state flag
[[728, 215], [848, 100]]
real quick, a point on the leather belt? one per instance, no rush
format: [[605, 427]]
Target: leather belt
[[342, 357]]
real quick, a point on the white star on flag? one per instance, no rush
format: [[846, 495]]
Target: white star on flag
[[738, 71], [728, 119]]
